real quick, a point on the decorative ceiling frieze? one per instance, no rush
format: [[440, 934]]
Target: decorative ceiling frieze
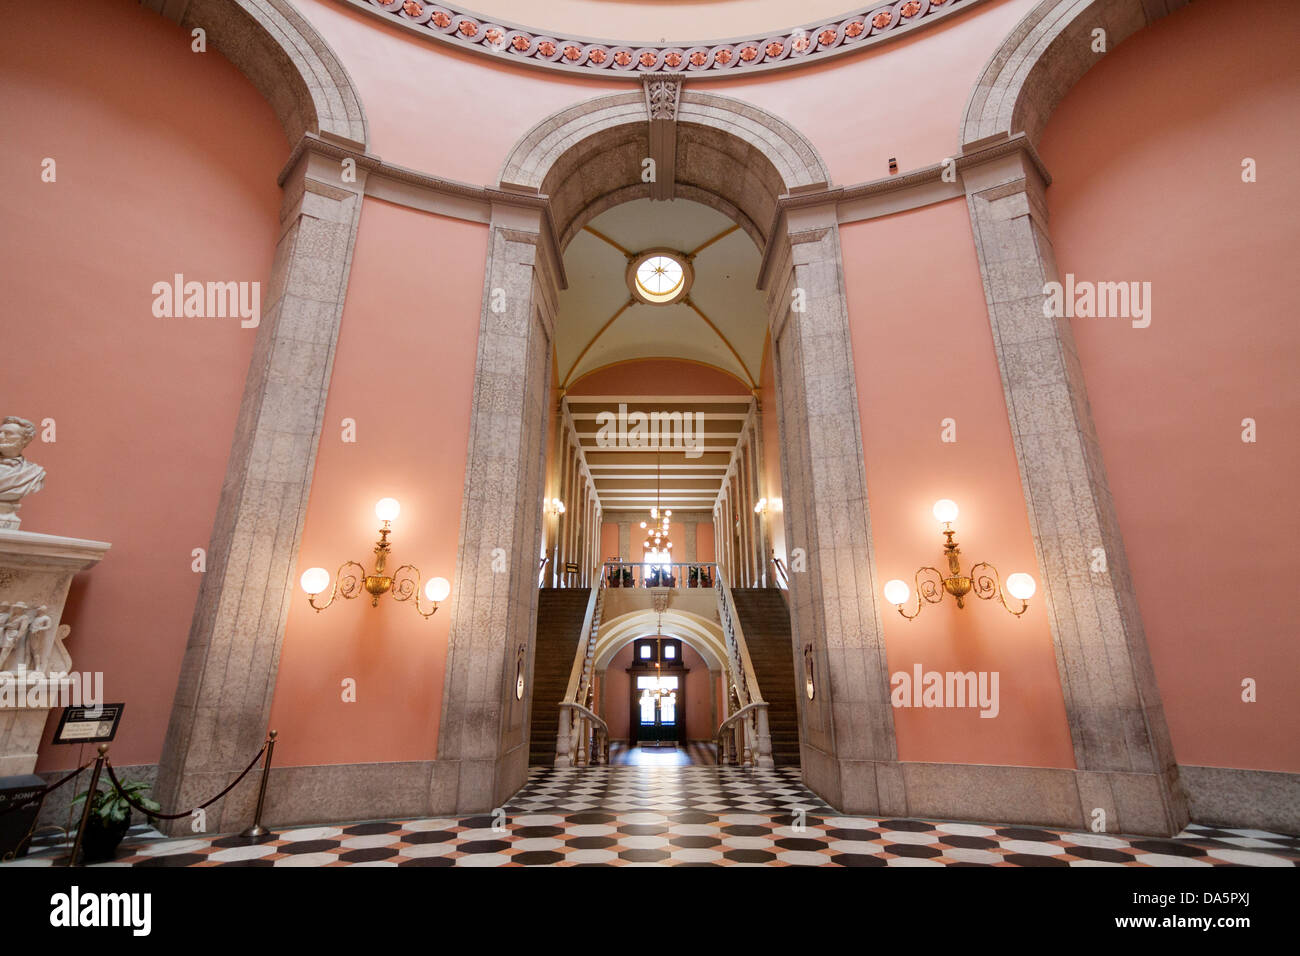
[[855, 30]]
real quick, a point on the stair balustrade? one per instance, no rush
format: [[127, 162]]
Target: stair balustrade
[[583, 737], [743, 736]]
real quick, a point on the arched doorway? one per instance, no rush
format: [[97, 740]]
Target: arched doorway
[[753, 167]]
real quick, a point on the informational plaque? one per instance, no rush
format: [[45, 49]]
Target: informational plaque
[[88, 725], [571, 567]]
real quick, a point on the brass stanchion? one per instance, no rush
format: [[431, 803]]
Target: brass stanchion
[[90, 798], [258, 833]]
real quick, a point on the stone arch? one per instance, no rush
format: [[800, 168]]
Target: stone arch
[[1042, 58], [219, 713], [718, 135], [1123, 753], [704, 636], [743, 161], [282, 55]]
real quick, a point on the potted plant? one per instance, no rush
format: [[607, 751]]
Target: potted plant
[[110, 818], [627, 577], [693, 578]]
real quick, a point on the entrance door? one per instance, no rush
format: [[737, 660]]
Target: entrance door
[[657, 712]]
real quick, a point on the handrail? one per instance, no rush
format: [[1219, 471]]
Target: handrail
[[781, 572], [541, 569], [570, 741], [757, 738], [589, 714], [737, 715]]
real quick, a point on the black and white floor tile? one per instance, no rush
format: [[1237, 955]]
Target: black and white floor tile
[[690, 816]]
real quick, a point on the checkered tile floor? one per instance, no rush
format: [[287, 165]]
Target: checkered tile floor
[[693, 816]]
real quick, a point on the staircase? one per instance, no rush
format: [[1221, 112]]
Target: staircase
[[559, 627], [766, 622]]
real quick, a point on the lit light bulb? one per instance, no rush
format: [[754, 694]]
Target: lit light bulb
[[315, 580], [643, 525], [654, 512], [758, 508], [897, 592], [437, 589], [668, 513], [1021, 585], [945, 510], [387, 509], [670, 544]]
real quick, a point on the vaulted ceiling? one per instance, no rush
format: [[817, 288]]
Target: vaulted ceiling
[[721, 323]]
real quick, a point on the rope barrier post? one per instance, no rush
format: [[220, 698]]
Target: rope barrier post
[[258, 833], [90, 798]]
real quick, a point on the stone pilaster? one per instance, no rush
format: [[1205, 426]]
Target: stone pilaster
[[1121, 742], [223, 698], [483, 738], [847, 731]]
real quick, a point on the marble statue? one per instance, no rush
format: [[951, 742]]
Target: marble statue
[[18, 476], [29, 641]]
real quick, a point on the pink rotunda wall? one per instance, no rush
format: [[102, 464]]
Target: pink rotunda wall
[[924, 354], [1146, 154], [147, 185], [404, 374]]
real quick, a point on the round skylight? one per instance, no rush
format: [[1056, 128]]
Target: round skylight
[[659, 277]]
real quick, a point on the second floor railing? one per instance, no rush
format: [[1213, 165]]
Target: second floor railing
[[684, 574]]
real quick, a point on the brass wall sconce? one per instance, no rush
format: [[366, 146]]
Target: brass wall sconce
[[760, 506], [983, 580], [554, 507], [404, 583]]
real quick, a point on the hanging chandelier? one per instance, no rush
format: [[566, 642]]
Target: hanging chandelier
[[657, 541]]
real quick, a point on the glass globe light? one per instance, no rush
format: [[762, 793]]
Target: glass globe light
[[945, 510], [315, 580], [897, 592], [387, 509], [1021, 585], [643, 524], [437, 589]]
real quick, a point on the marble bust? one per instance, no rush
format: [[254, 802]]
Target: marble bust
[[18, 476]]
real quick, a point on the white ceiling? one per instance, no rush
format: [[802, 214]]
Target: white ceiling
[[726, 270], [724, 290]]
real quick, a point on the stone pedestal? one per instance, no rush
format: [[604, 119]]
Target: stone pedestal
[[36, 571]]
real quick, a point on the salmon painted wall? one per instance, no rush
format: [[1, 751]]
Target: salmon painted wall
[[458, 114], [404, 371], [705, 549], [609, 540], [618, 690], [144, 407], [658, 377], [771, 467], [923, 351], [1146, 155]]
